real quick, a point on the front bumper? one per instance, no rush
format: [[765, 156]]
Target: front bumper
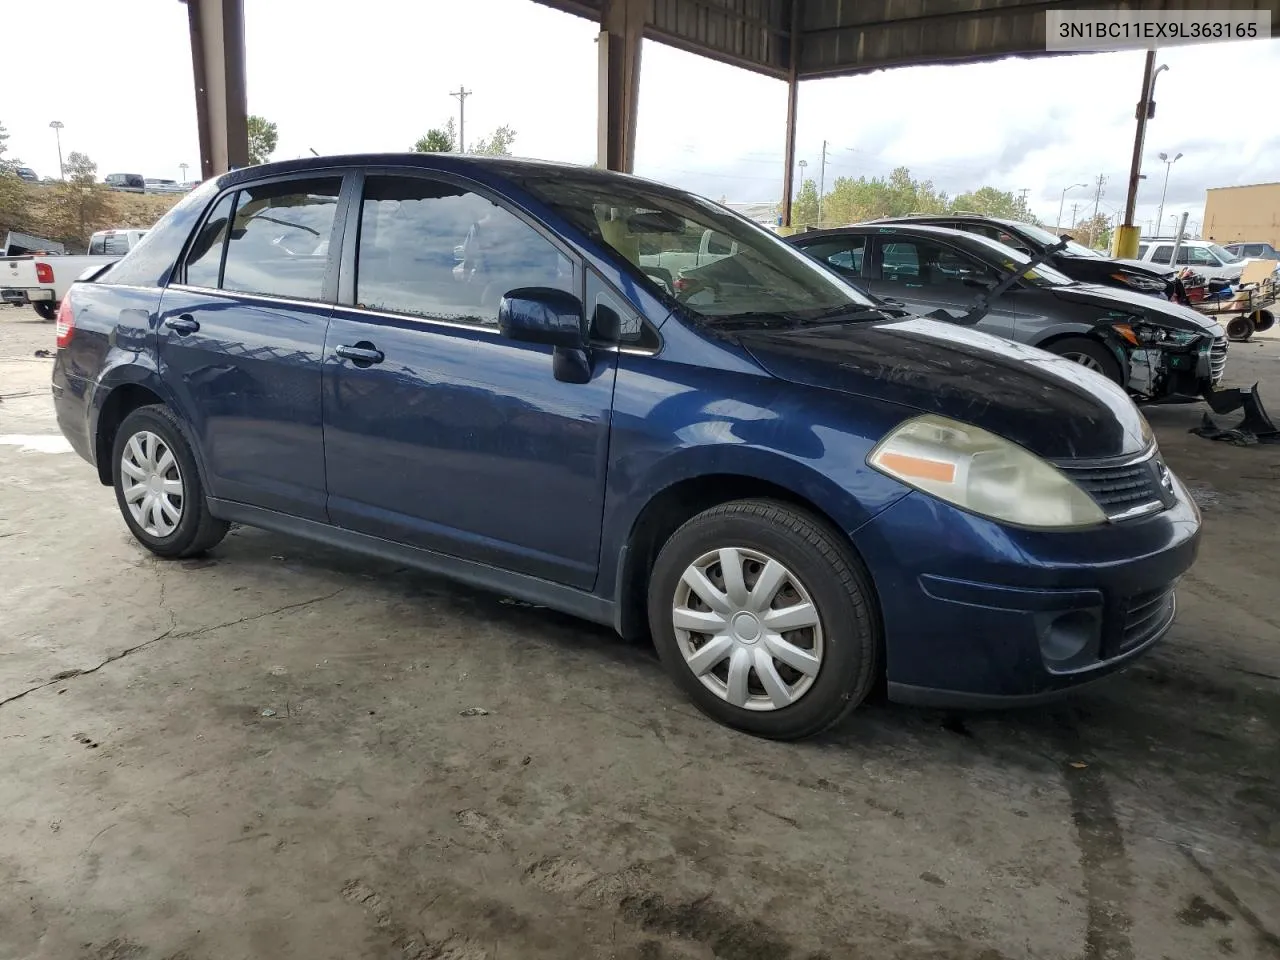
[[1178, 371], [980, 614]]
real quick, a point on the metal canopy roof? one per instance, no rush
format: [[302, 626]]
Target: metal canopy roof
[[842, 37]]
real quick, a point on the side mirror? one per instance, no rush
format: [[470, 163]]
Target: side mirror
[[542, 315]]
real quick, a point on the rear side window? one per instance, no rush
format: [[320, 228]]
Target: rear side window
[[1142, 250], [436, 250], [204, 259], [718, 244], [1162, 253], [279, 240]]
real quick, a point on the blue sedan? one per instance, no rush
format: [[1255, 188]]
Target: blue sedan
[[481, 367]]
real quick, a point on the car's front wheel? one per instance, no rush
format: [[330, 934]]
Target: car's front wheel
[[158, 487], [1091, 354], [765, 619]]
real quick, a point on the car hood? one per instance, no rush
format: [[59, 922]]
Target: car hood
[[1102, 266], [1152, 309], [1054, 408]]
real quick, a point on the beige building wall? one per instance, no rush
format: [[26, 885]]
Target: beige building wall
[[1243, 213]]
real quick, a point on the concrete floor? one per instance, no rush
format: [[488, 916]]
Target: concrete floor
[[265, 753]]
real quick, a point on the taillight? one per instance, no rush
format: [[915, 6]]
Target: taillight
[[44, 273], [66, 322]]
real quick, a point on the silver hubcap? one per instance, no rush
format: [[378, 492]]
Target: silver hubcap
[[1084, 360], [152, 483], [747, 628]]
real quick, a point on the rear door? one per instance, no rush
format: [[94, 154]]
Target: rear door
[[929, 275], [439, 432], [241, 337]]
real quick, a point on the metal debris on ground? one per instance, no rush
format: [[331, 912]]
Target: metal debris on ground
[[1256, 427], [268, 712], [44, 353], [474, 712]]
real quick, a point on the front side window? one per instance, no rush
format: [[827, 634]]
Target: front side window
[[279, 242], [649, 226], [436, 250], [922, 262], [842, 254]]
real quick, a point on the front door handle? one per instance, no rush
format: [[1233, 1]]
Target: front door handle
[[183, 324], [362, 354]]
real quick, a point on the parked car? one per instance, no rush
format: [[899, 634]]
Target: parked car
[[126, 182], [27, 174], [42, 280], [794, 494], [159, 185], [1155, 349], [1076, 261], [1203, 256], [1257, 251]]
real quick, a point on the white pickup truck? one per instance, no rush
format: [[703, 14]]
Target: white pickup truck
[[711, 247], [41, 281]]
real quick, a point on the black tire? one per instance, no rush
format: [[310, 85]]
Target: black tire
[[836, 583], [46, 310], [1074, 348], [197, 530], [1263, 320], [1240, 328]]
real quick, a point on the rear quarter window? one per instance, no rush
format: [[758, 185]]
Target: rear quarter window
[[151, 261]]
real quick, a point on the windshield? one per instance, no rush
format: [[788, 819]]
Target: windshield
[[1047, 239], [720, 267], [1008, 259], [1223, 254]]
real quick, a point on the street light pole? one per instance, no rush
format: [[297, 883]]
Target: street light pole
[[57, 126], [1063, 202], [183, 168], [1168, 164]]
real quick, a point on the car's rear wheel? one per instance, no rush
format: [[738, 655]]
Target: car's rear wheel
[[46, 310], [1091, 354], [765, 619], [158, 487]]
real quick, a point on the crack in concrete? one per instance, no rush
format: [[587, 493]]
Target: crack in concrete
[[187, 634]]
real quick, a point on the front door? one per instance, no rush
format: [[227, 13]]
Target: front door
[[439, 432], [241, 339], [927, 275]]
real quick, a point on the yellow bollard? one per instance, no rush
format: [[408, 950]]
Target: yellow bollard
[[1124, 246]]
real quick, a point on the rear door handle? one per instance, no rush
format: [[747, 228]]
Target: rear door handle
[[183, 324], [362, 354]]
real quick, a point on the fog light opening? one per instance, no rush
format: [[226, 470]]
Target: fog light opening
[[1069, 638]]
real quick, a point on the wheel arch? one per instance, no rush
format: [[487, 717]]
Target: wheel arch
[[122, 390], [681, 498]]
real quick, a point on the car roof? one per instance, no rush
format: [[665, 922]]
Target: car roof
[[971, 217], [883, 227], [464, 164]]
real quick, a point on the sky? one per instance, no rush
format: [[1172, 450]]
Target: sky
[[339, 76]]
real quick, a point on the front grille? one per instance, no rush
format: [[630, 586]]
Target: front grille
[[1218, 359], [1145, 615], [1120, 490]]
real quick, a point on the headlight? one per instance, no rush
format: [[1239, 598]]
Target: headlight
[[978, 471], [1147, 334]]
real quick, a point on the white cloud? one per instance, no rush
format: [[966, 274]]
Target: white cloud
[[345, 76]]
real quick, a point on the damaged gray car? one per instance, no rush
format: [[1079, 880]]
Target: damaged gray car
[[1155, 349]]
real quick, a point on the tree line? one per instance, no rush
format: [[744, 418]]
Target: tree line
[[855, 200]]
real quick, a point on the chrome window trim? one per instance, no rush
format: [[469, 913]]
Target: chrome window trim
[[241, 294]]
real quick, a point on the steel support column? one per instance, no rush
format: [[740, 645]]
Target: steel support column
[[793, 95], [622, 25], [1125, 243], [217, 63]]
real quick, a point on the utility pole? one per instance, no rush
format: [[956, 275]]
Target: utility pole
[[1097, 196], [1074, 208], [822, 180], [57, 126], [462, 93], [1023, 203]]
